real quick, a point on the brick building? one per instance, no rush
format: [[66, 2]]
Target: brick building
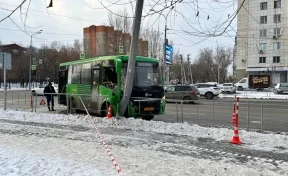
[[104, 40]]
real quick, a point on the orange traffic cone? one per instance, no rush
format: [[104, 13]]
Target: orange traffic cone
[[235, 139], [109, 113]]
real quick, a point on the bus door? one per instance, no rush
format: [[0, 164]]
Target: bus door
[[95, 99], [63, 78]]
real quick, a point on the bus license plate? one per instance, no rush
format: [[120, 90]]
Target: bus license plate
[[149, 109]]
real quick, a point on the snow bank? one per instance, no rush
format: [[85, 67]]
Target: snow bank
[[252, 140]]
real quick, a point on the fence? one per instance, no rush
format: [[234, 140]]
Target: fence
[[253, 115]]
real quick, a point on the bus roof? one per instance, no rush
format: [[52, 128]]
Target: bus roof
[[122, 57]]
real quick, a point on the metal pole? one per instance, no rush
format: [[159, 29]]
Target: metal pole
[[70, 102], [168, 74], [139, 106], [262, 117], [164, 52], [177, 111], [132, 58], [5, 88], [18, 99], [218, 74], [35, 102], [248, 115], [282, 114], [218, 79], [30, 62], [213, 111], [182, 110], [197, 110], [184, 74]]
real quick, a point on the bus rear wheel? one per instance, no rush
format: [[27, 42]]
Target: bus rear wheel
[[148, 117]]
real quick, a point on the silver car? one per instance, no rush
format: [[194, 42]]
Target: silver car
[[228, 88], [281, 88], [182, 92]]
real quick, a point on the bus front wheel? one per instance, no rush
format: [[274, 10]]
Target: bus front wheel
[[149, 117]]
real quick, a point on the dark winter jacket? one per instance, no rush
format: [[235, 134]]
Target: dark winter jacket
[[48, 90]]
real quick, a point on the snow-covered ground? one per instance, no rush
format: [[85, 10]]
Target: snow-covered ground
[[54, 144], [255, 95]]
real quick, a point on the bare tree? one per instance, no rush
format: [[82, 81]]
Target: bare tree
[[120, 21], [223, 58], [155, 42]]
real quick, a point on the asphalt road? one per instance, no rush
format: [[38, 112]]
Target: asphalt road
[[207, 112]]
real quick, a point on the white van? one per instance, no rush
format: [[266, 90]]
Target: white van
[[242, 84]]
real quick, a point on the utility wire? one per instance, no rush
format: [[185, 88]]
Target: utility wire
[[13, 11]]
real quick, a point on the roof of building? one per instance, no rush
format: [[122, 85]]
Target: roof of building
[[11, 47]]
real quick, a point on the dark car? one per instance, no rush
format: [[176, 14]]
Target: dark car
[[182, 92]]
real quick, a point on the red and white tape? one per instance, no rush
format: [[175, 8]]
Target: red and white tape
[[110, 154], [104, 144]]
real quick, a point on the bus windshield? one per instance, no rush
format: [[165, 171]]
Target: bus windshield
[[146, 74]]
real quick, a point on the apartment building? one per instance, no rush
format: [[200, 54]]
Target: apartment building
[[104, 40], [262, 39]]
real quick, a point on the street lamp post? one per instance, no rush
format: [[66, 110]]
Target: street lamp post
[[30, 62], [218, 71], [164, 47]]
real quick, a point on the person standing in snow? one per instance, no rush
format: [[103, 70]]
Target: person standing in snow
[[48, 92]]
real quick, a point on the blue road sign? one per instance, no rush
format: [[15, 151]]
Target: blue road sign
[[169, 54]]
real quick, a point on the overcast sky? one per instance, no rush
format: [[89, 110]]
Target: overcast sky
[[57, 27]]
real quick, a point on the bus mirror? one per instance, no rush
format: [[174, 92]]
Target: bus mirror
[[118, 65]]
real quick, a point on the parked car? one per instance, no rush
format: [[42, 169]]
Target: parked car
[[182, 92], [39, 90], [228, 88], [281, 88], [208, 90]]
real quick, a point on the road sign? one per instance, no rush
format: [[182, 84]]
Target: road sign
[[7, 57], [82, 55], [33, 67], [169, 54], [121, 50]]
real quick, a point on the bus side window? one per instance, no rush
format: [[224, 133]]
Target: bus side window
[[96, 76]]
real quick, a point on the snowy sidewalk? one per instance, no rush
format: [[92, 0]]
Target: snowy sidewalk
[[51, 144]]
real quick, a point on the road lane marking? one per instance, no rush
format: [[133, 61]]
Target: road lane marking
[[255, 121]]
